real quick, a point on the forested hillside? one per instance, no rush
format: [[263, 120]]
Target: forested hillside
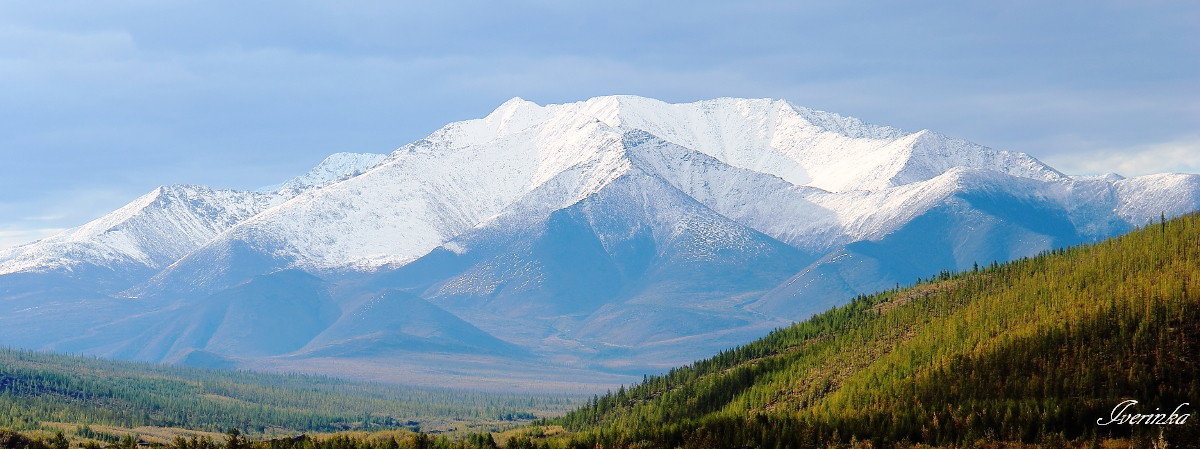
[[1032, 351], [38, 387]]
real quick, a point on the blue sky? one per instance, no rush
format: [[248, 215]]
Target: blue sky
[[102, 101]]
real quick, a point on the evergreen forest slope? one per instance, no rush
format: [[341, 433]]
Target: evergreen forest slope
[[1032, 351]]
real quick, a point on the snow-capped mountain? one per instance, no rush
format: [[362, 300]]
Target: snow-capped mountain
[[138, 239], [158, 228], [617, 234]]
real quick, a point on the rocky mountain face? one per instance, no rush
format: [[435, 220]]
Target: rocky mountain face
[[573, 244]]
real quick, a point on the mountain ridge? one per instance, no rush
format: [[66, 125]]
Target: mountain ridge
[[528, 206]]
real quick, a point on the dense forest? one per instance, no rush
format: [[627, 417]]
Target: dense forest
[[1033, 351], [38, 387]]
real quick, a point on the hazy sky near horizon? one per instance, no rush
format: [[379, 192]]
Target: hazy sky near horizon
[[102, 101]]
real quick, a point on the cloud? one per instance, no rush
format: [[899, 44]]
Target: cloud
[[15, 237], [45, 217], [1176, 156], [41, 44]]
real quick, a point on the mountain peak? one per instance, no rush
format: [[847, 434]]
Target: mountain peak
[[333, 168], [800, 145], [149, 232]]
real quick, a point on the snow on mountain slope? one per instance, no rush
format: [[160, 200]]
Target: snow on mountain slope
[[614, 233], [801, 146], [550, 279], [964, 217], [427, 192], [162, 226], [952, 222], [423, 195], [155, 230], [336, 167], [829, 219], [1143, 199], [150, 232], [763, 202]]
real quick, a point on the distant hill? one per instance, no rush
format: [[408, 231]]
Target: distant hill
[[38, 387], [1032, 351]]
